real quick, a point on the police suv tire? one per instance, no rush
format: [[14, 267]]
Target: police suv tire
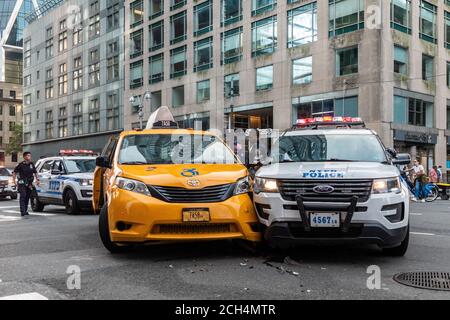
[[36, 205], [71, 202], [103, 228], [400, 250], [14, 197]]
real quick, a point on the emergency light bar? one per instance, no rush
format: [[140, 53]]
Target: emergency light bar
[[72, 152], [330, 121]]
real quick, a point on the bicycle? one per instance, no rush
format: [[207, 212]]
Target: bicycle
[[430, 190]]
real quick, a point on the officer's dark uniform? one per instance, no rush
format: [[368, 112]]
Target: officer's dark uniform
[[25, 175]]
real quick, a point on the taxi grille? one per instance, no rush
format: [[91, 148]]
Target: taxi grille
[[192, 228], [182, 195], [344, 190]]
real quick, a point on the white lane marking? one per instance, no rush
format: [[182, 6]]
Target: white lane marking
[[415, 214], [422, 234], [25, 296], [42, 214], [9, 207], [9, 218], [11, 211]]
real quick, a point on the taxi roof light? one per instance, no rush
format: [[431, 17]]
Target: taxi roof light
[[162, 118]]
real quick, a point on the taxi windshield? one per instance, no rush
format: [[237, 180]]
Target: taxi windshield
[[80, 165], [174, 149], [331, 147]]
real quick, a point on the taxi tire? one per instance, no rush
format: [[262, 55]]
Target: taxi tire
[[103, 228], [36, 205], [400, 250], [75, 208]]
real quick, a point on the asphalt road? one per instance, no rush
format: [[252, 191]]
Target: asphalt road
[[37, 253]]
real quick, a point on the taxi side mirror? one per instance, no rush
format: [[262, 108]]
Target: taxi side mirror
[[402, 159], [102, 162]]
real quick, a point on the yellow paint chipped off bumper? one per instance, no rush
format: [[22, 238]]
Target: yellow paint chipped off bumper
[[139, 218]]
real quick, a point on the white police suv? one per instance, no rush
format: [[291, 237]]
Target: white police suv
[[332, 180], [65, 180]]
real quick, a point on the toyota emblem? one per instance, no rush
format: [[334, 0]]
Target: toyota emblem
[[193, 183]]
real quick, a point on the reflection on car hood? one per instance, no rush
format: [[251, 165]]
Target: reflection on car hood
[[328, 170]]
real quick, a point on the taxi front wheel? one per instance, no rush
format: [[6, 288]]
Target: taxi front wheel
[[103, 227]]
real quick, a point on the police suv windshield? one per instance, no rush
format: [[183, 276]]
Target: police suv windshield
[[174, 149], [80, 165], [331, 147]]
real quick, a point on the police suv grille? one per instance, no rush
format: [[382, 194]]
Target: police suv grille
[[343, 190], [182, 195]]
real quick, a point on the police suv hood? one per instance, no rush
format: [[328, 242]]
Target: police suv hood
[[328, 170]]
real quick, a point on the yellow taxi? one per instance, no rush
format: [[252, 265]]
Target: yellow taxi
[[165, 184]]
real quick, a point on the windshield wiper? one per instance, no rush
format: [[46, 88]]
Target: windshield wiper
[[134, 162]]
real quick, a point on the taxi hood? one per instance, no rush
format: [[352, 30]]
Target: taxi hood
[[178, 175], [328, 170]]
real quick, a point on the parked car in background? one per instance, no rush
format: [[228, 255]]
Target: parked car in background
[[7, 187]]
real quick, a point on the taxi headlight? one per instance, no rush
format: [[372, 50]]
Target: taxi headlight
[[132, 185], [386, 186], [265, 185], [85, 182], [242, 186]]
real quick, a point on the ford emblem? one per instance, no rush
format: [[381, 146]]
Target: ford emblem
[[323, 188]]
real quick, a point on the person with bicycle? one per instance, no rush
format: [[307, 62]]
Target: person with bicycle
[[419, 180]]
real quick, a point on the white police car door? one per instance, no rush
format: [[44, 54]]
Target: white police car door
[[44, 176], [55, 182]]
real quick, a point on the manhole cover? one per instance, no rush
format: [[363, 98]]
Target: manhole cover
[[425, 280]]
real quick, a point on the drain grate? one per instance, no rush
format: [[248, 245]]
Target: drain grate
[[425, 280]]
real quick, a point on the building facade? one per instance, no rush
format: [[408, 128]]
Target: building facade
[[73, 76], [259, 64]]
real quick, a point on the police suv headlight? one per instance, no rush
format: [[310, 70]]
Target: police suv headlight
[[242, 186], [265, 185], [391, 185], [85, 182], [132, 185]]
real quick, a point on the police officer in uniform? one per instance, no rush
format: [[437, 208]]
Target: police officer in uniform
[[25, 172]]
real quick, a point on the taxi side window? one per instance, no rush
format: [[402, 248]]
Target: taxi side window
[[46, 167], [109, 149]]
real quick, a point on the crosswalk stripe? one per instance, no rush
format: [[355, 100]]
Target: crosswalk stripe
[[9, 218], [25, 296]]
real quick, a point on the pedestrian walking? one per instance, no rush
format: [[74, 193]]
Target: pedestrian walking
[[439, 172], [23, 177], [433, 175], [419, 176]]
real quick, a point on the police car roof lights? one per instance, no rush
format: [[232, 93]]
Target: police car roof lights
[[76, 152], [329, 121], [162, 118]]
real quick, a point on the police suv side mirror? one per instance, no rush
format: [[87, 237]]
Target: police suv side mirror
[[402, 159], [102, 162], [56, 172]]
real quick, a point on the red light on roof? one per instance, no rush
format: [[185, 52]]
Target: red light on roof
[[328, 119]]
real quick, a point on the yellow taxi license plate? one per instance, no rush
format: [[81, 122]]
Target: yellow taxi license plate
[[196, 215]]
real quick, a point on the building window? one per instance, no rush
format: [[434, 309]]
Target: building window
[[94, 116], [302, 25], [264, 78], [414, 112], [156, 36], [231, 11], [27, 80], [49, 125], [62, 41], [448, 74], [427, 68], [77, 74], [447, 29], [178, 63], [27, 54], [49, 89], [401, 15], [345, 16], [401, 60], [136, 42], [341, 107], [49, 33], [156, 8], [27, 119], [62, 25], [428, 15], [203, 18], [112, 111], [77, 35], [260, 6], [12, 111], [94, 26], [113, 17], [136, 75], [112, 66], [178, 96], [264, 36], [77, 125], [346, 61], [27, 99], [156, 100], [203, 54], [156, 68], [232, 45], [175, 4], [136, 13], [94, 74], [12, 125], [62, 128], [49, 48], [302, 71], [231, 85], [178, 27], [203, 91]]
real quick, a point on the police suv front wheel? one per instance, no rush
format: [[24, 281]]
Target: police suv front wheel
[[400, 250], [103, 227], [71, 202], [36, 205]]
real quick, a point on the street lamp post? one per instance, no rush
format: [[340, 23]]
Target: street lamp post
[[230, 117], [147, 96]]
